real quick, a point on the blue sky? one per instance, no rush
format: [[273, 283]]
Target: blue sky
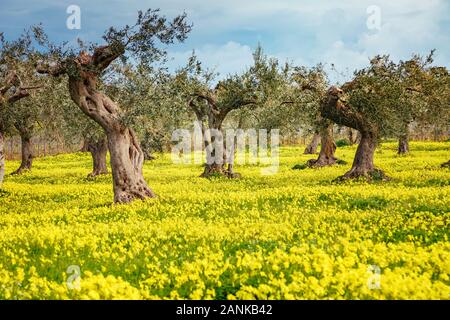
[[226, 32]]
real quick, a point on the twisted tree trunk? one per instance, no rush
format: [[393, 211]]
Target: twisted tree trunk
[[311, 148], [215, 162], [27, 153], [127, 158], [363, 166], [211, 120], [2, 158], [327, 150], [98, 149]]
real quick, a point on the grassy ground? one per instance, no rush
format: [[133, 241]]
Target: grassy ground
[[293, 235]]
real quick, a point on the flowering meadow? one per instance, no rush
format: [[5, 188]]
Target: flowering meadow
[[297, 234]]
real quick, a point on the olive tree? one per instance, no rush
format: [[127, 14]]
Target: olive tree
[[378, 102], [304, 91], [13, 56], [212, 101], [84, 70]]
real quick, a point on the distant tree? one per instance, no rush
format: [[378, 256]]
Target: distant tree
[[13, 56], [76, 127], [378, 102], [412, 76], [312, 146], [212, 102], [304, 91], [84, 71]]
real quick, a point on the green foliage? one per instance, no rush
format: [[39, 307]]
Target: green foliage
[[342, 143]]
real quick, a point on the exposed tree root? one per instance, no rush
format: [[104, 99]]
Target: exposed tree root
[[446, 164], [370, 176]]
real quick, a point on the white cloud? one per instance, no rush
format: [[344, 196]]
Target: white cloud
[[229, 58], [306, 32]]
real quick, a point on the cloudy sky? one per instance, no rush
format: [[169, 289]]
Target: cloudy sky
[[345, 33]]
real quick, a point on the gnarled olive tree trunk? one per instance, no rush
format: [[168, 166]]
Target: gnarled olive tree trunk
[[211, 120], [363, 162], [328, 148], [127, 158], [98, 149], [363, 166], [215, 163], [27, 153], [311, 148]]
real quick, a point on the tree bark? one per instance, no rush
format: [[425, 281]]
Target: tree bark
[[403, 145], [27, 154], [358, 137], [327, 150], [335, 109], [311, 148], [127, 158], [98, 149], [11, 80], [403, 141], [363, 162], [84, 147], [211, 119], [215, 164], [2, 158], [353, 136]]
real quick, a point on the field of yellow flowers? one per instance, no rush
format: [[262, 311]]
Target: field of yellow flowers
[[293, 235]]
